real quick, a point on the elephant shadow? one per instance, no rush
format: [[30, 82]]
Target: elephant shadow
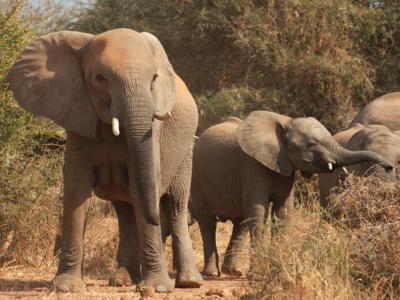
[[17, 285]]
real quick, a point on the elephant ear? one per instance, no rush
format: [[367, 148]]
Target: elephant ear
[[47, 80], [164, 87], [261, 135]]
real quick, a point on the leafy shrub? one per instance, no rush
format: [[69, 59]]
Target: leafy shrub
[[316, 58], [30, 162]]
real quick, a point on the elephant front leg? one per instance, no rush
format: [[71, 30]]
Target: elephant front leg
[[128, 268], [77, 190], [154, 269], [282, 210], [233, 264], [187, 274]]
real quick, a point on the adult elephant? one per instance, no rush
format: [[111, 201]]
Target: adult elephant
[[240, 168], [376, 138], [130, 123], [384, 110]]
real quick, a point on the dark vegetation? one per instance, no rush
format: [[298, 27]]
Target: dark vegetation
[[297, 57]]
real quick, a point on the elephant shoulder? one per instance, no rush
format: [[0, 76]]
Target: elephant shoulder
[[221, 135]]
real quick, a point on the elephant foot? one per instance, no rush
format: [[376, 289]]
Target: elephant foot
[[68, 284], [161, 283], [211, 270], [120, 277], [232, 270], [191, 279]]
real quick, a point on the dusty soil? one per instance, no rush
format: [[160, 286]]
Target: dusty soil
[[35, 282], [25, 284]]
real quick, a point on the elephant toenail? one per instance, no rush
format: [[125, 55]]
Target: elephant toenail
[[161, 289]]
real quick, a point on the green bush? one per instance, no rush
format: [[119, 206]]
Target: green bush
[[30, 162], [306, 57]]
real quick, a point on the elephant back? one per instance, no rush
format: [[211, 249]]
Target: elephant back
[[384, 110]]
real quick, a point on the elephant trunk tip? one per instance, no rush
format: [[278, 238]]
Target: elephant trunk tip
[[388, 167], [163, 117]]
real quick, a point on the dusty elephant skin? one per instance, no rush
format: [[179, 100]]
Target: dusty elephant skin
[[240, 168], [384, 110], [376, 138], [130, 124]]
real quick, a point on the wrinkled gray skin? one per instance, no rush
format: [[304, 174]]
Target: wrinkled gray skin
[[240, 168], [376, 138], [384, 110], [82, 81]]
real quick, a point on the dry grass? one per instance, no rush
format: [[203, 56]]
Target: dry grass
[[355, 255]]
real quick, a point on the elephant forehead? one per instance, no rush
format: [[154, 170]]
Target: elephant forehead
[[119, 47], [310, 127]]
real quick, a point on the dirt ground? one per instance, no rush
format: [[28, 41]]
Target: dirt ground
[[27, 282]]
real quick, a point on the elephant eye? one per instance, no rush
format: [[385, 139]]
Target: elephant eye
[[311, 145], [153, 80], [100, 77]]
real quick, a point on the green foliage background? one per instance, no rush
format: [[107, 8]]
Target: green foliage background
[[30, 161], [298, 57]]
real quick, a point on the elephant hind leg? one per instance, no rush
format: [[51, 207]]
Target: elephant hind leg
[[128, 268], [184, 261], [233, 264], [208, 229]]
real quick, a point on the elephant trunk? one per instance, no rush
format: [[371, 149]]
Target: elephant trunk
[[347, 158], [139, 134]]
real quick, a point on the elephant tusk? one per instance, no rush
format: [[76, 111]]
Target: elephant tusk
[[163, 117], [345, 170], [330, 166], [115, 126]]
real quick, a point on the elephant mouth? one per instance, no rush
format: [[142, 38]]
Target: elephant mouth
[[331, 167]]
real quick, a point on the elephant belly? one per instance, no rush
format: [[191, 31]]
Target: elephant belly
[[223, 200], [112, 192], [111, 182], [227, 209]]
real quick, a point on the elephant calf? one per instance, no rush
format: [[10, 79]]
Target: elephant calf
[[240, 168], [376, 138]]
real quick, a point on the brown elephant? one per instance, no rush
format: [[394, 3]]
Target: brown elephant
[[130, 122], [241, 168], [376, 138], [384, 110]]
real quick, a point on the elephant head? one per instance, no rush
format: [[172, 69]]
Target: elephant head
[[285, 144], [379, 139], [120, 77]]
